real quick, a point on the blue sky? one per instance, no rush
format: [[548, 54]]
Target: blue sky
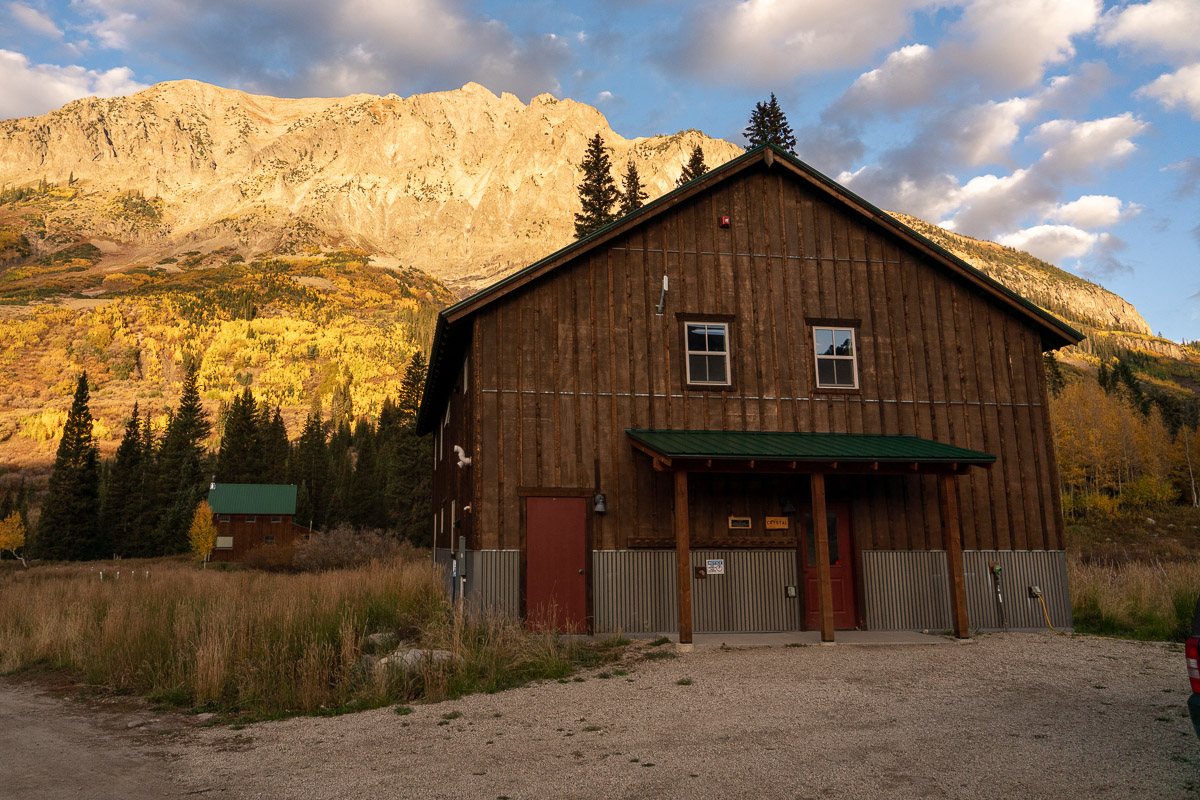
[[1064, 127]]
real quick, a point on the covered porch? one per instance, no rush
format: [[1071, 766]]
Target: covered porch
[[810, 456]]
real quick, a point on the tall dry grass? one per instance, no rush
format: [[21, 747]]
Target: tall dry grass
[[1136, 600], [266, 643]]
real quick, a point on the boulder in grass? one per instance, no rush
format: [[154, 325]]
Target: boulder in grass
[[413, 660]]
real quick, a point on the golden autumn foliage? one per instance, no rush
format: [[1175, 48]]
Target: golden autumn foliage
[[12, 535], [202, 535]]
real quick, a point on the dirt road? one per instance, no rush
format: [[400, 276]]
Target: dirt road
[[1018, 715]]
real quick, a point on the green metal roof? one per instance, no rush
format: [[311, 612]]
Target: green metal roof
[[788, 446], [252, 498]]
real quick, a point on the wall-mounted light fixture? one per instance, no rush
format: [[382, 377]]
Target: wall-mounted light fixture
[[662, 299], [599, 505], [787, 507]]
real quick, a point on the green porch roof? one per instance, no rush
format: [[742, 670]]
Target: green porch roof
[[788, 446], [252, 498]]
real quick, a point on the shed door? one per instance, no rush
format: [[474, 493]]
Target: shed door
[[556, 563], [841, 570]]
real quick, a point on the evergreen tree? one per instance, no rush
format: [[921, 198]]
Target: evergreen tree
[[341, 405], [366, 507], [768, 125], [121, 510], [597, 193], [1054, 377], [632, 193], [239, 456], [275, 450], [309, 467], [69, 528], [180, 467], [412, 388], [694, 168]]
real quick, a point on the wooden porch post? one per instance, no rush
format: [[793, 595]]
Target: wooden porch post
[[821, 535], [954, 560], [683, 558]]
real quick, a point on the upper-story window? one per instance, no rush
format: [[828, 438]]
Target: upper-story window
[[707, 345], [837, 357]]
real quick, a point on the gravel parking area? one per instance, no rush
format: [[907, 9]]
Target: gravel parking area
[[1006, 715]]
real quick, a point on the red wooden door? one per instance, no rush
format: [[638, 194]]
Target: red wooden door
[[556, 563], [841, 570]]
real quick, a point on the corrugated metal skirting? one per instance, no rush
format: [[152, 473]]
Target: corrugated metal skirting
[[908, 590], [634, 591], [1019, 569], [494, 580]]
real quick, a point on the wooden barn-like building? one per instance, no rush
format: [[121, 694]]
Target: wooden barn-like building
[[252, 515], [758, 403]]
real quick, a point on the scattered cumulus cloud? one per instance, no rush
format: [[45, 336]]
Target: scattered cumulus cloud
[[1177, 89], [1078, 148], [294, 47], [1053, 243], [32, 19], [1189, 176], [1159, 28], [766, 41], [37, 88], [1094, 211], [906, 79]]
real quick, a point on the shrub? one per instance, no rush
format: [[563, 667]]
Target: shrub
[[1135, 600], [344, 546]]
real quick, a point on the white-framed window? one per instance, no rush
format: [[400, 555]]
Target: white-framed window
[[837, 357], [251, 518], [706, 346], [268, 539], [276, 518], [223, 518], [224, 543]]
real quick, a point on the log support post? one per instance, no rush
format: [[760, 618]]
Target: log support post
[[954, 557], [683, 559], [821, 537]]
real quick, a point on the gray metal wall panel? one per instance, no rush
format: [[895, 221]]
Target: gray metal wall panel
[[905, 590], [1019, 569], [750, 597], [633, 591], [908, 589], [444, 559], [494, 580]]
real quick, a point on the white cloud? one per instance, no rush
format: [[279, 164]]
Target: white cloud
[[1160, 27], [38, 88], [904, 80], [1077, 148], [763, 41], [1179, 88], [1011, 42], [604, 97], [295, 47], [1053, 243], [983, 134], [34, 20], [1094, 211]]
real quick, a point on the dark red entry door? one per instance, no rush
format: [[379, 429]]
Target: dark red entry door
[[841, 570], [556, 563]]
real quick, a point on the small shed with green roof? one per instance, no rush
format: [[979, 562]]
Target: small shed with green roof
[[252, 515]]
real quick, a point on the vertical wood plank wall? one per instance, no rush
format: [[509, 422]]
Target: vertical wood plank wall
[[562, 367]]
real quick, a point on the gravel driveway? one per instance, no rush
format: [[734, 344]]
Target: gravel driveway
[[1012, 715]]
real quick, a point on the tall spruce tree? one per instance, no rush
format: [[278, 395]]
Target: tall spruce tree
[[310, 470], [239, 459], [275, 450], [768, 125], [694, 168], [633, 196], [69, 528], [121, 509], [597, 193], [411, 389], [180, 467]]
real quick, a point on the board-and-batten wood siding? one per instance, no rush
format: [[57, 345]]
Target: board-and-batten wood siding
[[561, 367], [452, 484]]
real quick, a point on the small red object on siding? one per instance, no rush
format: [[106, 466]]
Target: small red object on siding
[[723, 221]]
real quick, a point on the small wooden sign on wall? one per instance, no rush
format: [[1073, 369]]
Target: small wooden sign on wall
[[777, 523], [739, 523]]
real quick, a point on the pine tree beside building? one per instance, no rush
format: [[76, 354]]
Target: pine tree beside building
[[69, 528], [121, 509], [694, 168], [597, 193], [769, 125], [181, 479], [633, 196]]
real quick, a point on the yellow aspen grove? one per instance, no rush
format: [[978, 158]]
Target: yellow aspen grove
[[202, 535], [12, 535]]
